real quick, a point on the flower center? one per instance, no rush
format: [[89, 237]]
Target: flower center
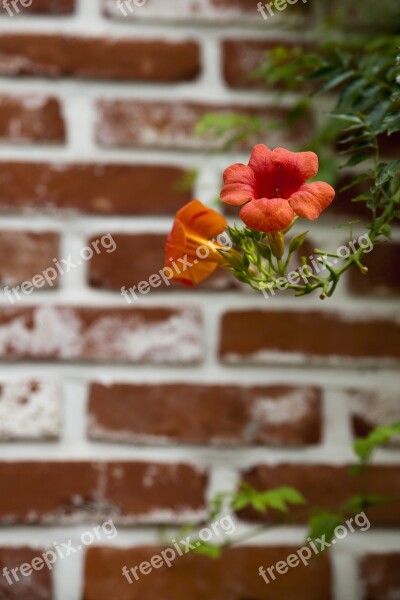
[[280, 182]]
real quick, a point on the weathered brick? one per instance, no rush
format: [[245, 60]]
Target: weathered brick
[[380, 576], [347, 19], [51, 7], [232, 577], [196, 414], [309, 337], [98, 58], [127, 492], [206, 414], [326, 486], [36, 586], [224, 11], [172, 125], [136, 258], [31, 118], [373, 408], [24, 254], [30, 410], [163, 493], [241, 58], [58, 491], [152, 335], [93, 188], [383, 277]]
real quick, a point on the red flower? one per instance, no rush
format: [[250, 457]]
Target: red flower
[[273, 188], [191, 251]]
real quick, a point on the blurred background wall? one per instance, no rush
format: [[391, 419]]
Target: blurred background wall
[[138, 412]]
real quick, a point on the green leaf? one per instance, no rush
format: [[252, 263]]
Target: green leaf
[[229, 129], [240, 502], [206, 549], [381, 436], [187, 181], [391, 123], [356, 504], [362, 198], [297, 241], [336, 81], [324, 523], [217, 504], [355, 181], [277, 499], [357, 159], [386, 171], [292, 495], [349, 118], [264, 251]]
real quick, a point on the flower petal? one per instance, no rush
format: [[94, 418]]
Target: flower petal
[[194, 225], [201, 221], [239, 185], [311, 199], [175, 246], [196, 274], [267, 214], [260, 160], [302, 165]]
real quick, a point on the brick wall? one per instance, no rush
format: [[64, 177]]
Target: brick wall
[[140, 412]]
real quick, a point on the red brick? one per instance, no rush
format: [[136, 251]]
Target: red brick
[[380, 576], [51, 7], [383, 277], [58, 491], [37, 586], [348, 19], [98, 58], [326, 486], [233, 577], [373, 408], [172, 125], [146, 335], [136, 258], [309, 337], [212, 414], [158, 493], [93, 188], [224, 11], [241, 58], [128, 492], [24, 254], [31, 119]]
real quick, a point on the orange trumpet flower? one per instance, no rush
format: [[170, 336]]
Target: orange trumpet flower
[[272, 188], [191, 250]]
